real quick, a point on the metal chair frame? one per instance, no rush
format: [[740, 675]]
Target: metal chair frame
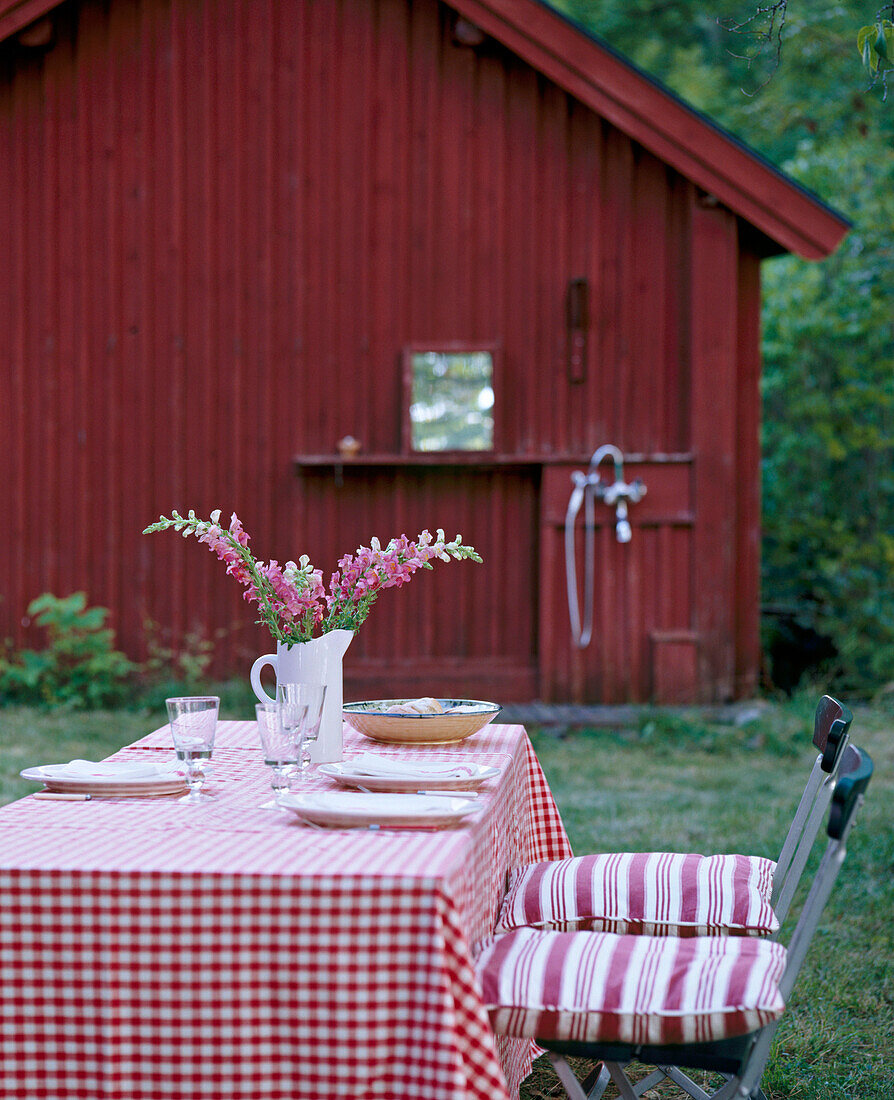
[[741, 1060], [831, 729]]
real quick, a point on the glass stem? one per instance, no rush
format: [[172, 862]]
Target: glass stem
[[194, 777]]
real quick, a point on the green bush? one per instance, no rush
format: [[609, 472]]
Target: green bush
[[185, 669], [187, 664], [828, 484], [79, 667]]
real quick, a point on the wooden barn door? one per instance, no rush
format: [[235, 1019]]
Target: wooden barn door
[[675, 610], [643, 645]]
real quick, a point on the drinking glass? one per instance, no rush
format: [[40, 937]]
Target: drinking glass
[[315, 694], [293, 706], [193, 721], [279, 746], [302, 708]]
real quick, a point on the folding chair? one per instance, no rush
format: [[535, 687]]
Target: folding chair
[[709, 1003], [670, 894]]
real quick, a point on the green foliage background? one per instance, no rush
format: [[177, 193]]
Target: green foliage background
[[828, 468]]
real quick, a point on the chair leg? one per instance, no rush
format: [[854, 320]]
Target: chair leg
[[565, 1074], [597, 1081], [731, 1089], [685, 1083], [654, 1078], [626, 1091]]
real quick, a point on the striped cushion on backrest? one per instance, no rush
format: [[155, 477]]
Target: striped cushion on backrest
[[598, 987], [648, 893]]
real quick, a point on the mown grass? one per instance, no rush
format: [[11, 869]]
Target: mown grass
[[675, 782]]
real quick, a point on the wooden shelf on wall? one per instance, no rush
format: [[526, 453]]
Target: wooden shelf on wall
[[467, 459], [433, 460]]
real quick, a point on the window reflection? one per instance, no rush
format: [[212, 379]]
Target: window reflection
[[451, 401]]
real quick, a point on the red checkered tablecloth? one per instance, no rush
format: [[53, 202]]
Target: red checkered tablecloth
[[152, 951]]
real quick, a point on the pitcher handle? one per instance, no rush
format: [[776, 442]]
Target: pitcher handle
[[257, 687]]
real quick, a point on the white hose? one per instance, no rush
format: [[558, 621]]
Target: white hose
[[582, 493]]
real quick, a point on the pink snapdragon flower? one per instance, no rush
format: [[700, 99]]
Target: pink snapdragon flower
[[222, 545], [362, 576], [291, 599]]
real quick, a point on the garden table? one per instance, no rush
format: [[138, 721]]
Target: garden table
[[150, 949]]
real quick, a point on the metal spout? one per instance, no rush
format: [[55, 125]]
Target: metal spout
[[607, 450], [623, 532]]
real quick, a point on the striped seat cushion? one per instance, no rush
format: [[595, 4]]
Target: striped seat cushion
[[648, 893], [599, 987]]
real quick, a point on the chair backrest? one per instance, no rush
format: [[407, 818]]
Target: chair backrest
[[831, 730], [853, 779], [854, 772], [830, 716]]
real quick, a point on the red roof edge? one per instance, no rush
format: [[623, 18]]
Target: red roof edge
[[16, 14], [791, 216]]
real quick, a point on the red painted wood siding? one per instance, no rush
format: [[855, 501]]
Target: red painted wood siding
[[643, 595], [223, 222]]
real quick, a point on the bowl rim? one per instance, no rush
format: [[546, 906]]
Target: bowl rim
[[372, 708]]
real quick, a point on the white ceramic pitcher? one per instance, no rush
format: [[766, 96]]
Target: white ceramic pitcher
[[318, 661]]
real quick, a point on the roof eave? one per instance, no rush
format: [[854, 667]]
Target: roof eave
[[15, 15]]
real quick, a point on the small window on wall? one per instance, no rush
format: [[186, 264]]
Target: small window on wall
[[450, 398]]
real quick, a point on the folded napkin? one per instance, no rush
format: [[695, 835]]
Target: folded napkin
[[368, 763], [370, 806], [108, 769]]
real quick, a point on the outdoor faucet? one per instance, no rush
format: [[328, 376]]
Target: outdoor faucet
[[587, 488], [617, 493]]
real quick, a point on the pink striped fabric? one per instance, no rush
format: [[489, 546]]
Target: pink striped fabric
[[647, 893], [599, 987]]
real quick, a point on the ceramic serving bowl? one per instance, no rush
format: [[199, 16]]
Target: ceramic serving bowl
[[462, 719]]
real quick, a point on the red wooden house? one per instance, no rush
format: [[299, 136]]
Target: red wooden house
[[234, 230]]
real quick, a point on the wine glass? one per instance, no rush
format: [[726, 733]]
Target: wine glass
[[279, 746], [315, 696], [293, 706], [193, 721], [302, 708]]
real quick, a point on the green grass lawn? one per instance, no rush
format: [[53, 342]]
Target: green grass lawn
[[676, 783]]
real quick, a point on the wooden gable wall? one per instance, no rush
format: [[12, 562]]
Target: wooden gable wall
[[224, 220]]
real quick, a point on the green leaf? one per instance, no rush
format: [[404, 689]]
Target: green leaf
[[881, 43], [864, 35]]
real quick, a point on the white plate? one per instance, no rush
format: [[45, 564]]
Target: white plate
[[345, 809], [465, 777], [108, 784]]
